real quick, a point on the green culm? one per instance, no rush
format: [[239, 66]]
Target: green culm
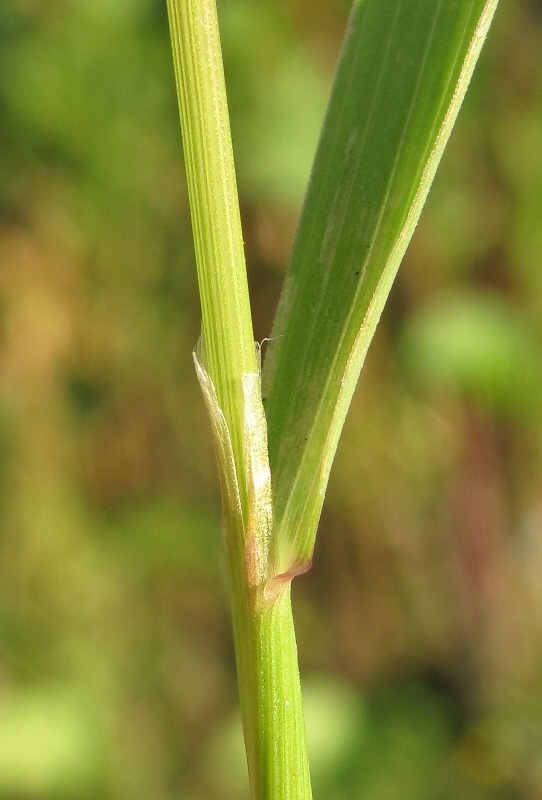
[[403, 72]]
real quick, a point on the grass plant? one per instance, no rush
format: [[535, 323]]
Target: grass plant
[[403, 71]]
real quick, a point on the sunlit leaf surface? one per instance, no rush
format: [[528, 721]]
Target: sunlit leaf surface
[[403, 72]]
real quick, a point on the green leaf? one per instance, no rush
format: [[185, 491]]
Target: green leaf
[[403, 72]]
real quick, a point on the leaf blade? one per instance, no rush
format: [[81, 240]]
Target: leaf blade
[[376, 158]]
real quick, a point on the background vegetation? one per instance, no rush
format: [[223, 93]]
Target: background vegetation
[[420, 624]]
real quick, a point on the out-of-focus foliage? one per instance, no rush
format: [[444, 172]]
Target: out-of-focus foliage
[[419, 625]]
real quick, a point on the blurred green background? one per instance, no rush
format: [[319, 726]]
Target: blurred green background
[[420, 624]]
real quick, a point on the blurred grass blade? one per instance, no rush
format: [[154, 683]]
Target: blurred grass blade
[[403, 72]]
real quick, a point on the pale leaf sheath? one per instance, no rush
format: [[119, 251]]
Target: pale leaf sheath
[[257, 526], [229, 485], [256, 464]]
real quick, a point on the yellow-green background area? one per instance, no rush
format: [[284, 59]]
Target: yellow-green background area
[[420, 624]]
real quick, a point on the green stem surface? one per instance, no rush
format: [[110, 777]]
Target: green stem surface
[[264, 636]]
